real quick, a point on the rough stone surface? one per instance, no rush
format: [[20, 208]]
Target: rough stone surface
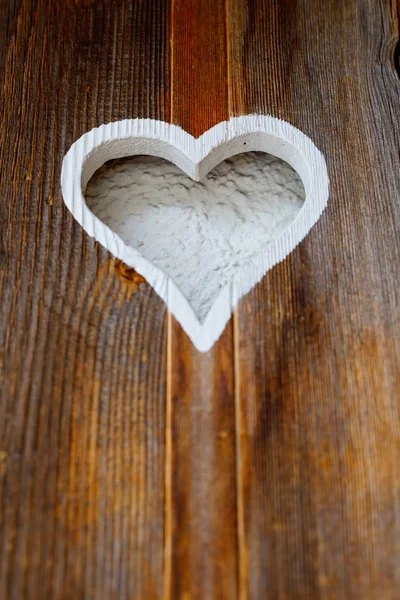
[[198, 233]]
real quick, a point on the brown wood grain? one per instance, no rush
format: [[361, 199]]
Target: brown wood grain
[[199, 75], [318, 385], [201, 540], [132, 466], [83, 348], [201, 523]]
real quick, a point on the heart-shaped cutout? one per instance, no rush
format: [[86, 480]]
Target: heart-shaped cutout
[[199, 233], [246, 262]]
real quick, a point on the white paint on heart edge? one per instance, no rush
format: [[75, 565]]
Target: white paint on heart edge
[[196, 157]]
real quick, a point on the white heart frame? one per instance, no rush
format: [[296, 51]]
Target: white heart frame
[[196, 157]]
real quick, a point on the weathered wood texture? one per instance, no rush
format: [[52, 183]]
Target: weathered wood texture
[[83, 347], [318, 382], [131, 465], [201, 547]]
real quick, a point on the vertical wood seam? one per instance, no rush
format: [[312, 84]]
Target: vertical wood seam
[[168, 467], [241, 563], [168, 400], [241, 558], [228, 60]]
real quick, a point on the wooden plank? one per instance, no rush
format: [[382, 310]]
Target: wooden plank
[[201, 540], [201, 548], [85, 441], [199, 84], [83, 345], [317, 341]]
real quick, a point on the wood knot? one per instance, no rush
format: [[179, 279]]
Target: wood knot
[[127, 273]]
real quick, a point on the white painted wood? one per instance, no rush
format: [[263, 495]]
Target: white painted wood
[[196, 157]]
